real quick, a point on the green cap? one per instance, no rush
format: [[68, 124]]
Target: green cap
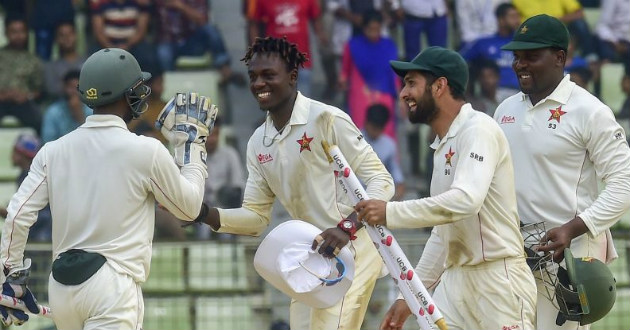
[[439, 61], [540, 31]]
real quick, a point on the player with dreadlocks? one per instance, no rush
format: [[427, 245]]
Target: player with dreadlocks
[[285, 160]]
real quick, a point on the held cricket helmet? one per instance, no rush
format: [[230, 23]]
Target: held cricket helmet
[[586, 291], [110, 74]]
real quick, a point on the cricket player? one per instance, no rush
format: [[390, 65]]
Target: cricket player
[[286, 160], [102, 182], [563, 141], [476, 245]]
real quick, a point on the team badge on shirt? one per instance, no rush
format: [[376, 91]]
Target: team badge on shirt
[[556, 113], [448, 156], [305, 143]]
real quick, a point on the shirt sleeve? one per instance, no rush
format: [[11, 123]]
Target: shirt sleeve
[[609, 152], [180, 191], [32, 196], [255, 214], [362, 158], [467, 193]]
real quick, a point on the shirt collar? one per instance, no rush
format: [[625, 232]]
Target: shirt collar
[[560, 94], [299, 114], [104, 121], [464, 113]]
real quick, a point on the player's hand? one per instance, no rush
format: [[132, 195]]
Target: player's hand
[[396, 316], [330, 242], [15, 286], [372, 211], [559, 238], [186, 121]]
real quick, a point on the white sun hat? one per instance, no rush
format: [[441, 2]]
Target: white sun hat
[[285, 259]]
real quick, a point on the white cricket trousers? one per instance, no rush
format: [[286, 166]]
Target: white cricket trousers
[[348, 313], [496, 295], [583, 246], [106, 301]]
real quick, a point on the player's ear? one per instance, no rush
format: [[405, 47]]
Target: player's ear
[[293, 75]]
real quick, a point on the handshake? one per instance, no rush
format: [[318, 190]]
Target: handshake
[[186, 121]]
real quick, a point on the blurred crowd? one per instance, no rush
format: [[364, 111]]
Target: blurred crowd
[[354, 42]]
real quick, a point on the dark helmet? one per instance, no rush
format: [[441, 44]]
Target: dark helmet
[[111, 73], [586, 290]]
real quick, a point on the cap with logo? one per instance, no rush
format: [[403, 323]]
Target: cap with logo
[[439, 61], [540, 31]]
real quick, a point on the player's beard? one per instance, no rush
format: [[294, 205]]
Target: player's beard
[[425, 109]]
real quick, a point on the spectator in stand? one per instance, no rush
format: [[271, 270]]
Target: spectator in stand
[[68, 59], [67, 113], [487, 77], [613, 32], [46, 17], [289, 18], [123, 24], [570, 12], [426, 16], [226, 179], [20, 76], [347, 16], [476, 19], [378, 115], [489, 48], [24, 150], [184, 29], [366, 74]]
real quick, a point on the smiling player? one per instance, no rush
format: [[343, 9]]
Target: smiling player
[[476, 245], [563, 141]]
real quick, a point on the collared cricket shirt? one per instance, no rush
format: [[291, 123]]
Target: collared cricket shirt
[[561, 147], [472, 194], [102, 182], [292, 167]]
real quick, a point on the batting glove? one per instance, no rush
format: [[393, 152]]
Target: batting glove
[[186, 121], [15, 286]]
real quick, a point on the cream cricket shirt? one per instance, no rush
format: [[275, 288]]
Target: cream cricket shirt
[[560, 147], [294, 169], [472, 194], [102, 182]]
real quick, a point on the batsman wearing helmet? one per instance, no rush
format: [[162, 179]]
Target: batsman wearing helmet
[[286, 160], [563, 141], [102, 183]]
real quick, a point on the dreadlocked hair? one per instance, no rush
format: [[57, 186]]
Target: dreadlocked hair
[[288, 51]]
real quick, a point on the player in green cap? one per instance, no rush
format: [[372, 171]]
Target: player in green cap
[[563, 141], [476, 249]]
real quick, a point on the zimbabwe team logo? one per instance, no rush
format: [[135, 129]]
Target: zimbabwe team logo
[[305, 143], [556, 114]]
